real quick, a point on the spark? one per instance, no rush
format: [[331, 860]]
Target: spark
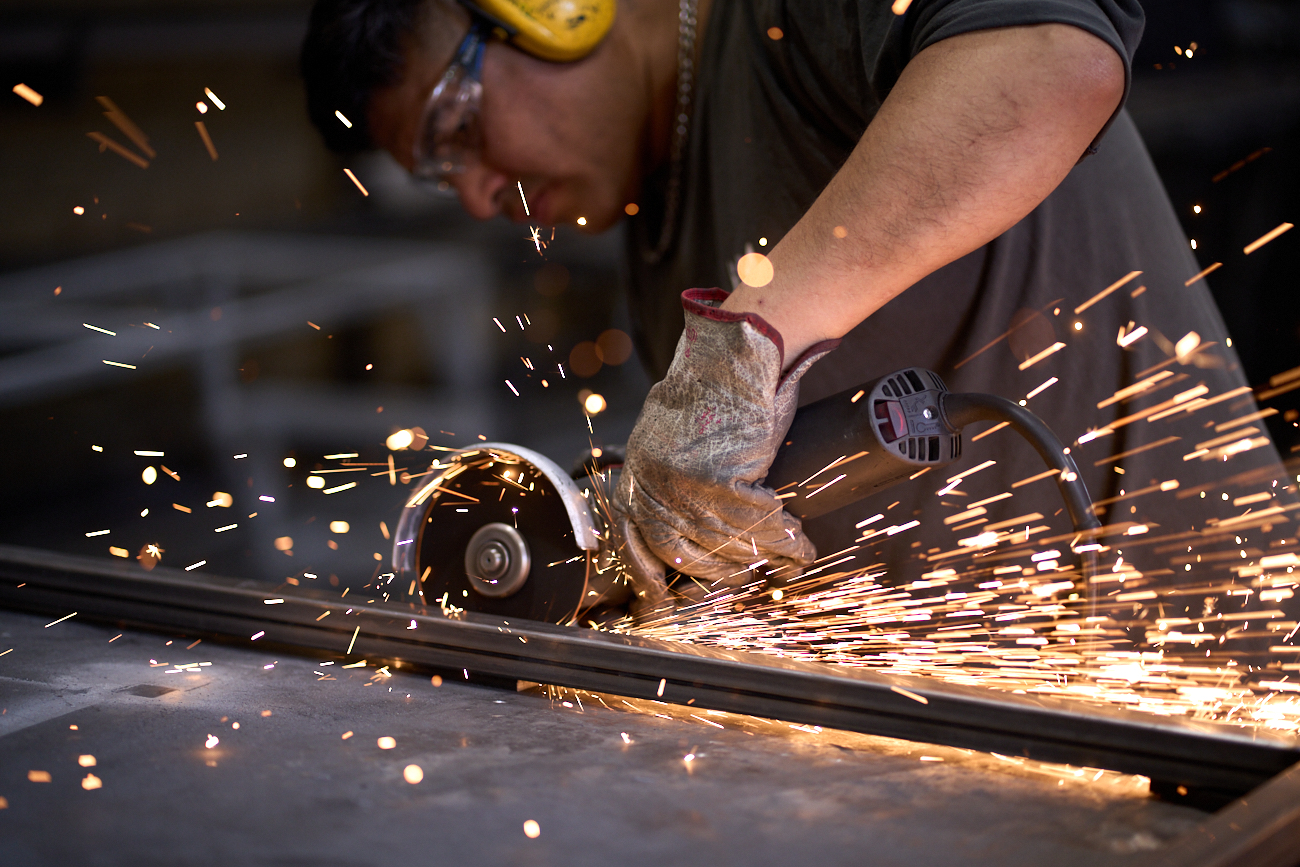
[[106, 143], [354, 180], [1127, 340], [527, 213], [100, 330], [119, 364], [997, 427], [28, 94], [60, 620], [1264, 239], [972, 471], [909, 694], [343, 120], [1201, 275], [1186, 346], [1031, 361], [1042, 388], [1109, 289], [212, 96], [207, 139]]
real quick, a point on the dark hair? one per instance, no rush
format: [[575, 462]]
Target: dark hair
[[353, 48]]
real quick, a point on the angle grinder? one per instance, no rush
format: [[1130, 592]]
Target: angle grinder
[[503, 530]]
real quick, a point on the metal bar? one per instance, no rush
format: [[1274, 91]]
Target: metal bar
[[1197, 755], [1261, 829]]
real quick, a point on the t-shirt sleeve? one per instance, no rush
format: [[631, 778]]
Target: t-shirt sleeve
[[1118, 23]]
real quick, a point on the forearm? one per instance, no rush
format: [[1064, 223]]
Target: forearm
[[979, 129]]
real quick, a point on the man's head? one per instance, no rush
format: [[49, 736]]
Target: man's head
[[578, 135]]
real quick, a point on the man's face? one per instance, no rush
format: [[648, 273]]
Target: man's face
[[572, 133]]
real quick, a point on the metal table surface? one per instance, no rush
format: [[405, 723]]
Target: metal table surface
[[80, 676]]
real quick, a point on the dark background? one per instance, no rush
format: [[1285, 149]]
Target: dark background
[[272, 229]]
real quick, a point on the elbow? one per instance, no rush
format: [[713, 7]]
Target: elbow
[[1094, 82]]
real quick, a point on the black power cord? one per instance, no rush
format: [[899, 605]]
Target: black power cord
[[963, 409]]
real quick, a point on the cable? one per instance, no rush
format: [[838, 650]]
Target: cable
[[963, 409]]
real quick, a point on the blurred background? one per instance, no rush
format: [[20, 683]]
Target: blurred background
[[271, 325]]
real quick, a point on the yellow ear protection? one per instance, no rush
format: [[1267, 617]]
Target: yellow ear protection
[[558, 30]]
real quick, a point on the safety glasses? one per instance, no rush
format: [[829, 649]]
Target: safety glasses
[[450, 135]]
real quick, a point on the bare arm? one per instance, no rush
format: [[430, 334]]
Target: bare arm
[[979, 129]]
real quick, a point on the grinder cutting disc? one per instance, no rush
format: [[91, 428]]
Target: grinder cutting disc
[[498, 529]]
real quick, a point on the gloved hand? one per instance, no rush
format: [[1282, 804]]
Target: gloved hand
[[690, 494]]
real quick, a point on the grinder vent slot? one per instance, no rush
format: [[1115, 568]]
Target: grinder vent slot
[[897, 386]]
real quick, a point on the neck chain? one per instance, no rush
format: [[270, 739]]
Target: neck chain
[[686, 23]]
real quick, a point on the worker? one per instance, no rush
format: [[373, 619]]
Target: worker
[[949, 184]]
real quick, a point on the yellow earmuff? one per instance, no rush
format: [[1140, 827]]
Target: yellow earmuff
[[558, 30]]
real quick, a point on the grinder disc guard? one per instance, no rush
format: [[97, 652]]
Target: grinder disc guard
[[498, 529]]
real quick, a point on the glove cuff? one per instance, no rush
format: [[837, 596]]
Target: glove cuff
[[810, 356], [705, 304]]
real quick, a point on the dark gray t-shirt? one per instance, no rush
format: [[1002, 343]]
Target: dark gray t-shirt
[[775, 119]]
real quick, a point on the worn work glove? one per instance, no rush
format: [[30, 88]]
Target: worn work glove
[[690, 495]]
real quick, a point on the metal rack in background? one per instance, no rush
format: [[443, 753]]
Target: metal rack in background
[[195, 306]]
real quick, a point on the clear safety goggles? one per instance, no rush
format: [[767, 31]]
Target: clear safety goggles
[[450, 135]]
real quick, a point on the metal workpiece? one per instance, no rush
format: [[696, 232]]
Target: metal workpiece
[[1215, 759]]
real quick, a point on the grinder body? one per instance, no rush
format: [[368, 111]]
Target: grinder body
[[850, 445]]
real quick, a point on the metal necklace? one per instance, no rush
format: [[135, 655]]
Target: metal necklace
[[681, 126]]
